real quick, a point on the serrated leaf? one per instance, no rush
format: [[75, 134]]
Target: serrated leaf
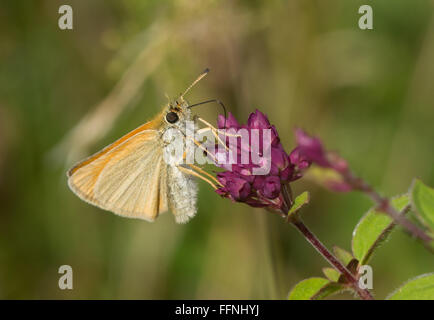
[[307, 289], [419, 288], [299, 201], [343, 255], [331, 274], [373, 228], [422, 198]]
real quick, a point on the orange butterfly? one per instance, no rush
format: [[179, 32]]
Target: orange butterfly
[[130, 177]]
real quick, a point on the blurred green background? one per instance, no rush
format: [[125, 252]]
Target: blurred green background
[[65, 94]]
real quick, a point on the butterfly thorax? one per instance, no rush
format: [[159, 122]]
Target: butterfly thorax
[[182, 188]]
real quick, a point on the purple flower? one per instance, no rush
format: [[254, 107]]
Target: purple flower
[[298, 159], [239, 181], [271, 187], [258, 120], [237, 187], [311, 150], [231, 122]]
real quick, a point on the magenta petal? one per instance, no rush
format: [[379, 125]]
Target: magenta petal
[[258, 183], [286, 174], [275, 140], [221, 121], [279, 158], [271, 187], [298, 160], [258, 120], [311, 148], [235, 185], [231, 122]]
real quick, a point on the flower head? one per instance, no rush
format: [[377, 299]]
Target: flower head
[[239, 181]]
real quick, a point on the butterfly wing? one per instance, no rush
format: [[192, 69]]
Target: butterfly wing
[[127, 177]]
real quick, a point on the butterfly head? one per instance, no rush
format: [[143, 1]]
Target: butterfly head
[[177, 112]]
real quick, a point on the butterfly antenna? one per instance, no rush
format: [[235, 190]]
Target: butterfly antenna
[[210, 101], [203, 74]]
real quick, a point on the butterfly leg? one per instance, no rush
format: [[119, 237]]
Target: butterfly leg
[[200, 146], [193, 168], [200, 170], [194, 173], [215, 130], [201, 131]]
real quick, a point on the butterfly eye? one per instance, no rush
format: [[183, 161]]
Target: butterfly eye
[[172, 117]]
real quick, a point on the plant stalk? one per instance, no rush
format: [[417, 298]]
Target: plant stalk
[[314, 241], [383, 204]]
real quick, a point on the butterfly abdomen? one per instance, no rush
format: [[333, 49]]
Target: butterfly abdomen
[[182, 194]]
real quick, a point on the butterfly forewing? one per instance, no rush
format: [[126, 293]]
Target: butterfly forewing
[[129, 179]]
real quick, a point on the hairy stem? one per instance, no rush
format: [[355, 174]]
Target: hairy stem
[[383, 204], [314, 241]]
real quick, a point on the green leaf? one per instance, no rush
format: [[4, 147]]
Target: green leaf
[[327, 290], [373, 228], [299, 201], [422, 198], [419, 288], [331, 274], [343, 255], [308, 288], [400, 202]]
